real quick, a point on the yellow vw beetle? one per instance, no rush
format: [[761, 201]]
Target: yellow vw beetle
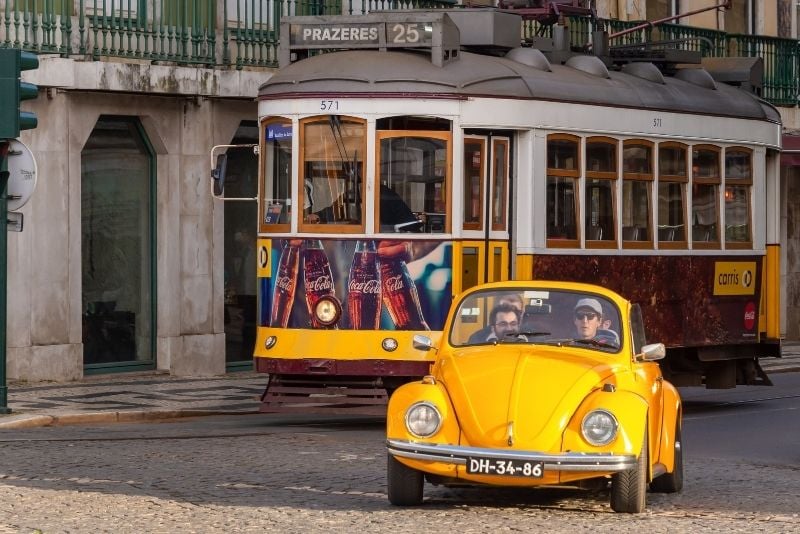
[[535, 384]]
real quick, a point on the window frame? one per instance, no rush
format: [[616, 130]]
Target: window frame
[[611, 176], [647, 177], [473, 225], [324, 228], [574, 174], [746, 181], [263, 227], [506, 183], [717, 180], [674, 178]]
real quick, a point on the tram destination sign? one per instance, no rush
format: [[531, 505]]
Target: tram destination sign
[[433, 31]]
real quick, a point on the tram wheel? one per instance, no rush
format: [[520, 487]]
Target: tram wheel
[[404, 484], [672, 482], [629, 488]]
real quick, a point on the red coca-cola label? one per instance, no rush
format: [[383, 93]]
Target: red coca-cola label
[[321, 283], [286, 283], [394, 283], [364, 286], [749, 316]]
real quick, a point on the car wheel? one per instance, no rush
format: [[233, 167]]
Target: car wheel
[[405, 484], [629, 488], [672, 482]]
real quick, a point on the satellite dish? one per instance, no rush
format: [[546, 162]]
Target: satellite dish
[[21, 174]]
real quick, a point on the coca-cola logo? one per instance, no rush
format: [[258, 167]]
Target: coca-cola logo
[[394, 283], [284, 283], [322, 283], [749, 316], [364, 286]]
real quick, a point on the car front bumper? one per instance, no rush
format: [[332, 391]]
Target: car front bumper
[[567, 461]]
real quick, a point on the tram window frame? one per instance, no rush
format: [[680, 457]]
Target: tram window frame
[[469, 187], [429, 225], [499, 197], [263, 201], [596, 177], [745, 182], [641, 176], [564, 175], [671, 179], [706, 179], [325, 227]]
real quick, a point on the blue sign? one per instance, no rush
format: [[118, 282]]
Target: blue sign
[[279, 131]]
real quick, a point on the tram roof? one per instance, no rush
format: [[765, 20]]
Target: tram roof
[[412, 74]]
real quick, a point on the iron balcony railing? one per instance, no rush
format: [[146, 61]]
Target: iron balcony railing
[[245, 33]]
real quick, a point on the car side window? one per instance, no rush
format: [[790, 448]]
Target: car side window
[[637, 329]]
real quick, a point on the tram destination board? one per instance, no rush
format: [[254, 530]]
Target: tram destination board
[[434, 31]]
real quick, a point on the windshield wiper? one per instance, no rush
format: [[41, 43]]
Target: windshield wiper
[[534, 334], [596, 343]]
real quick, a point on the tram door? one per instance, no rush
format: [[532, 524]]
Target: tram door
[[485, 249]]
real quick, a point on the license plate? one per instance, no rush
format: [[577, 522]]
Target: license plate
[[514, 468]]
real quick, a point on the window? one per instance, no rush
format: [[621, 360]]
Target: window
[[276, 205], [331, 174], [601, 175], [413, 188], [673, 175], [500, 177], [705, 196], [637, 174], [738, 182], [474, 172], [740, 17], [563, 166]]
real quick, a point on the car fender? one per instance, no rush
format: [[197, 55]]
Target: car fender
[[672, 412], [627, 407]]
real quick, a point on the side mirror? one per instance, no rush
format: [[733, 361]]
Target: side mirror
[[652, 352], [421, 342], [218, 174]]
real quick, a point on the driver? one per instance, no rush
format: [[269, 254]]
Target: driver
[[588, 318], [504, 319]]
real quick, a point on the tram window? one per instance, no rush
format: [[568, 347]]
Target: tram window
[[738, 182], [276, 205], [601, 175], [332, 170], [414, 170], [671, 200], [562, 190], [637, 174], [500, 177], [474, 177], [705, 196]]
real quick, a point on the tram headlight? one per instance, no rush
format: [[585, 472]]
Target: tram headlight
[[599, 427], [327, 311], [423, 419]]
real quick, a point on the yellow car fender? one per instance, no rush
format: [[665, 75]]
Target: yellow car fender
[[628, 408], [672, 413]]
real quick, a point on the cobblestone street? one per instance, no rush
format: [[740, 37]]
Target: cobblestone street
[[324, 479]]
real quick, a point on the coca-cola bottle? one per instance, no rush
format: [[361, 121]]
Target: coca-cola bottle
[[317, 276], [364, 288], [398, 290], [285, 284]]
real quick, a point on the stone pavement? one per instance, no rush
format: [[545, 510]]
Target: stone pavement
[[130, 397], [151, 396]]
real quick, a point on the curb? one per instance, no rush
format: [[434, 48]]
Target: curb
[[37, 421]]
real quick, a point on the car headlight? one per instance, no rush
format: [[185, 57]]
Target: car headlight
[[423, 420], [599, 427], [327, 311]]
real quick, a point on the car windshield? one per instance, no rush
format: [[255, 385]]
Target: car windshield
[[537, 316]]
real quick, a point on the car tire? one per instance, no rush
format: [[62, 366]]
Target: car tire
[[672, 482], [404, 484], [629, 488]]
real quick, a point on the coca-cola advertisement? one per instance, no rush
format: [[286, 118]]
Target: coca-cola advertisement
[[378, 284]]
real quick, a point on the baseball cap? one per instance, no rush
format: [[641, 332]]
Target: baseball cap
[[592, 304]]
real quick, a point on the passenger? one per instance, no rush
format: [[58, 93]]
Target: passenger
[[504, 320], [483, 334]]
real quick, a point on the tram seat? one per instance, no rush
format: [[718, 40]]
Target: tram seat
[[594, 233], [703, 232], [666, 233], [632, 233]]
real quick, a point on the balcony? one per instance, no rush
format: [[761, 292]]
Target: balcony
[[237, 34]]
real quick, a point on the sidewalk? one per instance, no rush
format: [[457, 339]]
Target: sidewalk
[[126, 398]]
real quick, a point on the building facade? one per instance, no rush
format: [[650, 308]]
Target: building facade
[[126, 262]]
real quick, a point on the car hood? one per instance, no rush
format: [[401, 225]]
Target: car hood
[[528, 394]]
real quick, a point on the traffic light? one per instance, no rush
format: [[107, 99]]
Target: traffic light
[[13, 91]]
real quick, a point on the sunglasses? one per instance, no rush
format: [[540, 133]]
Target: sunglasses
[[585, 315]]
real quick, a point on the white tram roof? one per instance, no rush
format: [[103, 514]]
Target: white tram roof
[[366, 73]]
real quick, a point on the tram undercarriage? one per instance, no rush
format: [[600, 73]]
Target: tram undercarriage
[[719, 367]]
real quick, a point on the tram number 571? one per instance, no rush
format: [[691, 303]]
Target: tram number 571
[[405, 33]]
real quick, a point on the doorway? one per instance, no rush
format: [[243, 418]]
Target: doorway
[[118, 247]]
